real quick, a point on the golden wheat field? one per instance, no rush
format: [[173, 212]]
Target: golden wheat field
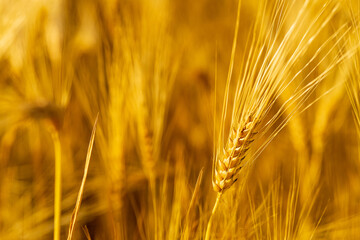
[[179, 119]]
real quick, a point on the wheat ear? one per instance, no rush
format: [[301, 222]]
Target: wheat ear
[[227, 166]]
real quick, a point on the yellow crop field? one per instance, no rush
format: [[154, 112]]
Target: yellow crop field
[[179, 119]]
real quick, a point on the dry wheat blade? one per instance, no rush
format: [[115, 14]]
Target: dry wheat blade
[[81, 190]]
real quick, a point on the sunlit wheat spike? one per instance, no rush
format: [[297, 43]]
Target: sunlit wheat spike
[[270, 65], [228, 165], [276, 57], [147, 150]]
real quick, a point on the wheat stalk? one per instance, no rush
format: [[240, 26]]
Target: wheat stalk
[[57, 184]]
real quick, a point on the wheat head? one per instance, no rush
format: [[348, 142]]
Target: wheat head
[[237, 145]]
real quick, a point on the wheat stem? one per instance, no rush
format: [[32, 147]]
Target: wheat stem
[[208, 229], [57, 194], [152, 185]]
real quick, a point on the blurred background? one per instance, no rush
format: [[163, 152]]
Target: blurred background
[[155, 71]]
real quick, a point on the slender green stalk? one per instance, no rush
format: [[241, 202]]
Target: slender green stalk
[[208, 229]]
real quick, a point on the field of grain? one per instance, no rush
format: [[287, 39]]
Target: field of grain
[[179, 119]]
